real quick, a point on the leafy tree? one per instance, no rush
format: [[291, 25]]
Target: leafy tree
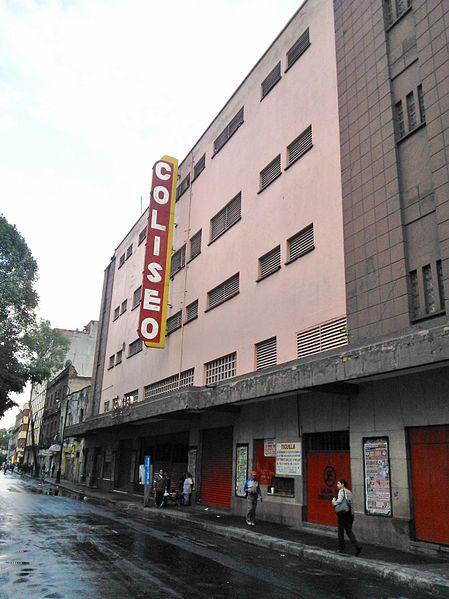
[[29, 351], [4, 438]]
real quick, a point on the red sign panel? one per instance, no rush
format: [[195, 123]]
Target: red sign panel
[[156, 272]]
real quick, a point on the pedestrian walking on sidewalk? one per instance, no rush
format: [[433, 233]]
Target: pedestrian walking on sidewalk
[[187, 487], [159, 485], [345, 515], [253, 493]]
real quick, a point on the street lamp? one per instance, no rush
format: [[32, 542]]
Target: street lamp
[[65, 388]]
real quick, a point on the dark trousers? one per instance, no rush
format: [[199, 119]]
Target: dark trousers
[[159, 498], [345, 520]]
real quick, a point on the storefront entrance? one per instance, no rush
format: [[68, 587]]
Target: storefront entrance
[[328, 459], [216, 467], [429, 449]]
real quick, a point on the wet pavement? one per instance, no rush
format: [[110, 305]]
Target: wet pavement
[[62, 547]]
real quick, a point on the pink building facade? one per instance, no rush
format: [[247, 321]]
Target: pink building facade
[[294, 347]]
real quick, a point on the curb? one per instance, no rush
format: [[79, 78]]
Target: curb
[[398, 574]]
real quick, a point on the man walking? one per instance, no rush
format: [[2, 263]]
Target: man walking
[[253, 492], [159, 484]]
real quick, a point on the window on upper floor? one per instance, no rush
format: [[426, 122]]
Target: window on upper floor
[[298, 49], [121, 261], [171, 383], [137, 297], [174, 322], [195, 245], [411, 111], [111, 362], [116, 313], [227, 217], [324, 336], [130, 397], [183, 187], [394, 9], [124, 306], [142, 235], [299, 146], [269, 263], [427, 290], [129, 251], [228, 131], [118, 357], [191, 311], [106, 406], [178, 260], [300, 244], [135, 347], [223, 292], [270, 80], [271, 172], [266, 353], [221, 369], [199, 167], [416, 116], [400, 123]]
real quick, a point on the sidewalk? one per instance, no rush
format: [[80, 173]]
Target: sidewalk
[[424, 572]]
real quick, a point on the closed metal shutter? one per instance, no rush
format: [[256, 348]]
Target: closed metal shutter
[[216, 469]]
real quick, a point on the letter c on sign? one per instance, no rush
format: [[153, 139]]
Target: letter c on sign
[[166, 167], [149, 328]]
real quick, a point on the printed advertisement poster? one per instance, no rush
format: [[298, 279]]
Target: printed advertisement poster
[[241, 469], [377, 476], [288, 459], [269, 448]]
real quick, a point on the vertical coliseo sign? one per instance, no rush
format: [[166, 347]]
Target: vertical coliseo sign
[[156, 272]]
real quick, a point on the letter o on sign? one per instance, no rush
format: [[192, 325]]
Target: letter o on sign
[[149, 328], [161, 195]]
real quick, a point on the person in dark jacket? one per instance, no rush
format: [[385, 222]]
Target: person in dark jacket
[[159, 486], [253, 493], [345, 515]]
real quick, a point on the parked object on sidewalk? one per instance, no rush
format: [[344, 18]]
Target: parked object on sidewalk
[[345, 515], [253, 493]]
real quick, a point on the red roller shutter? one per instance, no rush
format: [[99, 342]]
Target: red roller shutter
[[216, 469]]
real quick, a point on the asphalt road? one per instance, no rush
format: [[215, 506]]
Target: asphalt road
[[59, 548]]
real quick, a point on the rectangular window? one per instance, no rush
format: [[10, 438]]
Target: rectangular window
[[389, 18], [135, 347], [124, 306], [299, 146], [411, 111], [118, 357], [111, 362], [121, 261], [228, 131], [221, 369], [192, 311], [142, 235], [178, 260], [270, 81], [400, 124], [116, 313], [227, 217], [136, 297], [401, 7], [174, 322], [172, 383], [300, 244], [327, 335], [298, 49], [183, 187], [429, 295], [199, 166], [422, 111], [130, 397], [195, 245], [270, 263], [440, 284], [414, 290], [106, 406], [129, 251], [270, 173], [266, 353], [223, 292]]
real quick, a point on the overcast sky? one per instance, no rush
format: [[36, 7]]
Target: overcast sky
[[92, 93]]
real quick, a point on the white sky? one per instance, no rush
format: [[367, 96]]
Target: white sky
[[92, 93]]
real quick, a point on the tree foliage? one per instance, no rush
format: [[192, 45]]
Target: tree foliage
[[4, 438], [29, 351]]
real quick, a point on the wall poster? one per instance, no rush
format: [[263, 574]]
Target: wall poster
[[241, 468], [376, 460], [288, 459]]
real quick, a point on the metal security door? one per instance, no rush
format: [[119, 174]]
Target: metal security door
[[429, 448], [216, 467]]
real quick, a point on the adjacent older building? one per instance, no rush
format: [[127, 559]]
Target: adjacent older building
[[307, 328]]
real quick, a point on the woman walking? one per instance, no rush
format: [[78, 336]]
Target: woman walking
[[345, 514]]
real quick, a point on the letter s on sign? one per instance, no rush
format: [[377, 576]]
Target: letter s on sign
[[149, 323], [166, 167], [154, 276]]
